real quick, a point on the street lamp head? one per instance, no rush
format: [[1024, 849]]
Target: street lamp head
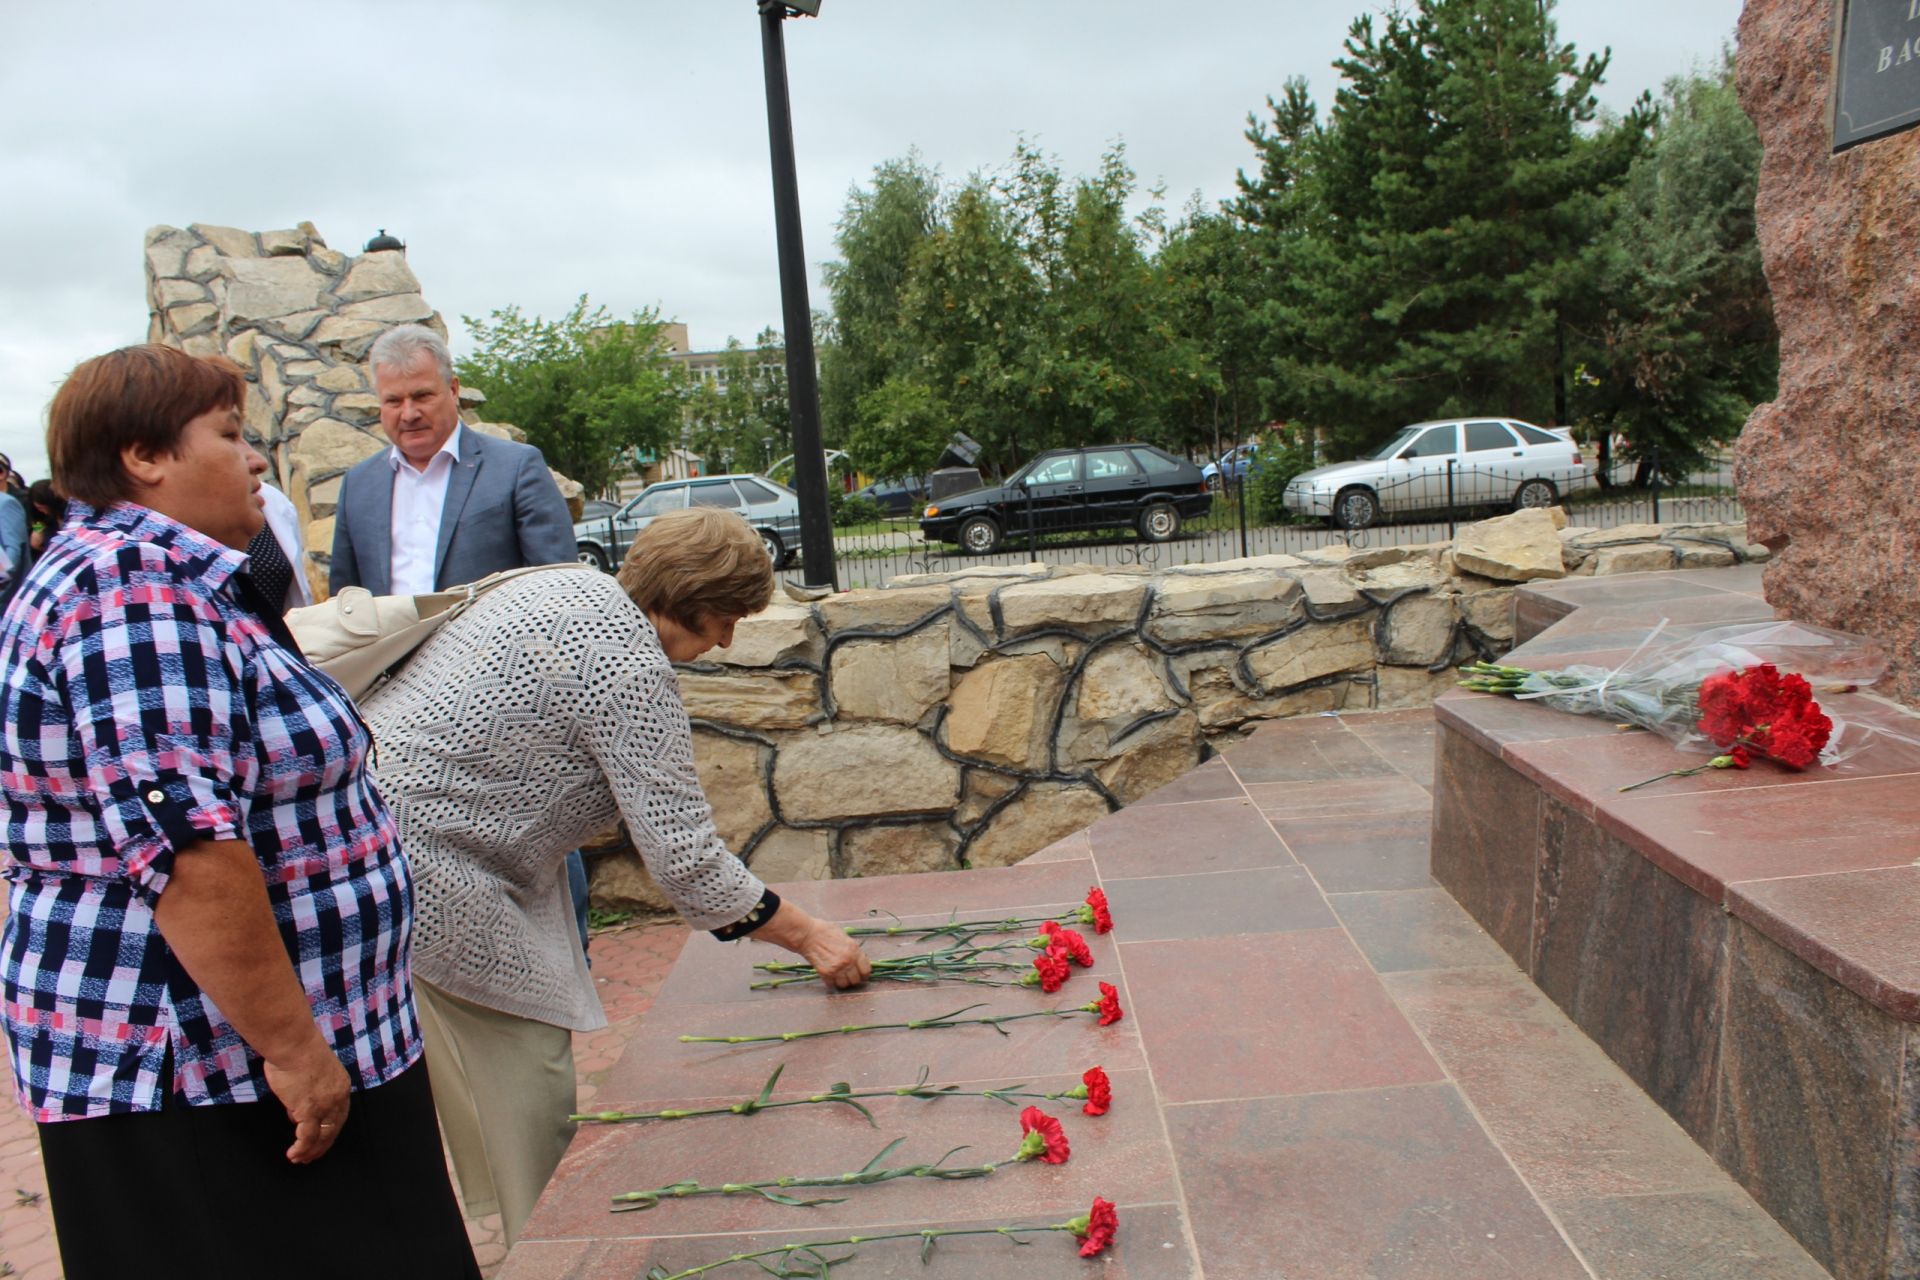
[[791, 8]]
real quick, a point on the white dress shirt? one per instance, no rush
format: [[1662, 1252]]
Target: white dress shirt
[[419, 496], [284, 520]]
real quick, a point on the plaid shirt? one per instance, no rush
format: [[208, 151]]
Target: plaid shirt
[[144, 709]]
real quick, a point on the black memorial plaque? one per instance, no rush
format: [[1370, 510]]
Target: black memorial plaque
[[1877, 75]]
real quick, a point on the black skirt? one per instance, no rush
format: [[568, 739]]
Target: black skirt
[[206, 1192]]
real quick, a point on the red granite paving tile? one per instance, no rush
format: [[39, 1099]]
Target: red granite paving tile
[[1414, 929], [720, 972], [1684, 617], [1122, 1153], [1572, 1122], [1856, 927], [1491, 723], [658, 1065], [989, 889], [1363, 722], [1617, 590], [1407, 746], [1338, 796], [1351, 853], [1262, 1014], [1260, 900], [1743, 578], [1551, 651], [1716, 832], [1586, 774], [1066, 849], [1700, 1235], [1210, 781], [1151, 1245], [1388, 1184], [1322, 748], [1211, 835]]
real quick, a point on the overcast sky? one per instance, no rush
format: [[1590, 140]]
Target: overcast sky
[[531, 153]]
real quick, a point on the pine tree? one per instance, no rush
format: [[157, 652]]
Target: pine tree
[[1455, 195], [1683, 344]]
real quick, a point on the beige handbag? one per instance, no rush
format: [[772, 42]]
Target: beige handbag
[[358, 638]]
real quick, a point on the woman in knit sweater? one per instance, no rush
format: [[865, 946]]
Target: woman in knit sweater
[[530, 723]]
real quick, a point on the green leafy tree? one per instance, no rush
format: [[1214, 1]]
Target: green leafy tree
[[1110, 361], [1684, 343], [1023, 310], [970, 318], [586, 388], [880, 230]]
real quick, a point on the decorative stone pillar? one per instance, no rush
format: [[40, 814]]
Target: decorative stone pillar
[[1828, 472], [299, 318]]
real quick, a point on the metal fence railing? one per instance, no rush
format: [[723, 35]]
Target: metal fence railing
[[1411, 510]]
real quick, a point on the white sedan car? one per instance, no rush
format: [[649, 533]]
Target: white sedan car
[[1463, 462]]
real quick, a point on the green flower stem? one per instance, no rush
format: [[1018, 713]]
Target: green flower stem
[[1718, 762], [952, 963], [840, 1093], [918, 1024], [770, 1188], [810, 1250], [960, 929]]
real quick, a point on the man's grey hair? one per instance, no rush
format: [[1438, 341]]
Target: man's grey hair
[[403, 344]]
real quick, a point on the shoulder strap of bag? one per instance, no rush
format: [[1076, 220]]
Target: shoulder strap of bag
[[359, 639]]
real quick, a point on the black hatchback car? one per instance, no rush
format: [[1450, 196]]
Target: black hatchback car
[[1109, 486]]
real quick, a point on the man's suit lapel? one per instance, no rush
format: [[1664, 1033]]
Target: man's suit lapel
[[376, 562], [459, 487]]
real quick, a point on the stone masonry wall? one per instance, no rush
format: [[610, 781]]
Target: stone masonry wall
[[298, 318], [972, 718]]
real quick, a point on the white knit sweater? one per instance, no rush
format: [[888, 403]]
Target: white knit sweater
[[523, 727]]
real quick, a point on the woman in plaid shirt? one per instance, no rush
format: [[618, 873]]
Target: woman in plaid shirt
[[204, 977]]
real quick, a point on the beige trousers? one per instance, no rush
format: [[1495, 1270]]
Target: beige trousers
[[504, 1087]]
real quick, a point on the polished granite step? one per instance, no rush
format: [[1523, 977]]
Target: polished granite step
[[1745, 945]]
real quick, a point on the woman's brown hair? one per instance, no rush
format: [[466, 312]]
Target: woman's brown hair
[[696, 564], [143, 395]]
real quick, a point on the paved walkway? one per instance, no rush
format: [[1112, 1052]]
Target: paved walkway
[[1383, 1094]]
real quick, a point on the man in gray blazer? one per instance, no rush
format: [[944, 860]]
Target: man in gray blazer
[[444, 506]]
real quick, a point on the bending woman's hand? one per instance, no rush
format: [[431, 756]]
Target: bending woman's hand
[[839, 960]]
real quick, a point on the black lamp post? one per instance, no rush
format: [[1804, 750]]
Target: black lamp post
[[803, 390]]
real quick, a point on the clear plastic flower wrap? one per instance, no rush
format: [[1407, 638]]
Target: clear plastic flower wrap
[[1658, 686]]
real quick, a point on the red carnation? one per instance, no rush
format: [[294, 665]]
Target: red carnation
[[1742, 758], [1771, 714], [1053, 968], [1075, 946], [1052, 1145], [1050, 928], [1101, 1226], [1109, 1006], [1102, 918], [1099, 1091]]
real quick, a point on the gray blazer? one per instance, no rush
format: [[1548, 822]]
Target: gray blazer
[[503, 511]]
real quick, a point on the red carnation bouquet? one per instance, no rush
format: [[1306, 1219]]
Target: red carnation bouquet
[[1724, 686]]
